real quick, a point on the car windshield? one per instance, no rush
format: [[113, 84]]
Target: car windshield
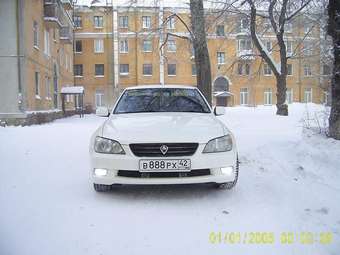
[[161, 100]]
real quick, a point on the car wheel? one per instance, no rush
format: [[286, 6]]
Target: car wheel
[[102, 187], [230, 185]]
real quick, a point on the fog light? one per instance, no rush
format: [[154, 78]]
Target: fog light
[[100, 172], [227, 170]]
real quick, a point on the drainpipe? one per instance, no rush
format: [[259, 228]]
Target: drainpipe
[[18, 20]]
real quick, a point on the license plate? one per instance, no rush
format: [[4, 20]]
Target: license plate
[[164, 165]]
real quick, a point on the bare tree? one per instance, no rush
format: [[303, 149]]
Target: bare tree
[[275, 13], [199, 40], [334, 32]]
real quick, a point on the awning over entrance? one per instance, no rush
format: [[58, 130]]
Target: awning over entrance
[[223, 94], [78, 93], [72, 90]]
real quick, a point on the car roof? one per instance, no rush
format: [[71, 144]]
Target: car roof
[[161, 86]]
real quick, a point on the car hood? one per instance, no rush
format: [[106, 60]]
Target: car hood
[[162, 127]]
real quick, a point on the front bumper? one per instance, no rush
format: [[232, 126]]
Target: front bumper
[[212, 161]]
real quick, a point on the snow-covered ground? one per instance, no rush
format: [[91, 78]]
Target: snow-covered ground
[[289, 182]]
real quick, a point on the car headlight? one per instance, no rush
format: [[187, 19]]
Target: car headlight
[[108, 146], [219, 144]]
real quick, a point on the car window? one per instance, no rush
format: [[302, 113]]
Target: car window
[[161, 100]]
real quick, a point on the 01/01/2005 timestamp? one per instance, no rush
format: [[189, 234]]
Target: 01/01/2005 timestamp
[[284, 238]]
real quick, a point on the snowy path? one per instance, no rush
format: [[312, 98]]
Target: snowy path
[[289, 182]]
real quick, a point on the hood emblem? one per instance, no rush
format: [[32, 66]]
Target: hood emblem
[[164, 149]]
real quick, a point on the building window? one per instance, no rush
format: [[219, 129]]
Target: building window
[[289, 96], [123, 21], [269, 46], [247, 69], [124, 46], [244, 24], [326, 99], [98, 45], [289, 69], [244, 94], [78, 70], [266, 70], [308, 95], [244, 45], [171, 23], [240, 69], [307, 28], [193, 70], [37, 83], [147, 45], [192, 51], [66, 61], [171, 69], [326, 70], [99, 98], [79, 46], [171, 45], [307, 48], [69, 98], [35, 34], [77, 22], [98, 21], [147, 69], [307, 70], [288, 27], [243, 69], [220, 30], [124, 69], [47, 87], [268, 97], [146, 21], [289, 48], [220, 58], [99, 69], [47, 42]]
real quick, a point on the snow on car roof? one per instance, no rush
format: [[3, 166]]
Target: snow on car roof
[[161, 86]]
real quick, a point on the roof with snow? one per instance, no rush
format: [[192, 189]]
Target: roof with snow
[[72, 90], [223, 94]]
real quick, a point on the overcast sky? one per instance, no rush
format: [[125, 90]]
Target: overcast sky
[[172, 3]]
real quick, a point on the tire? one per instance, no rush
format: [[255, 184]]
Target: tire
[[230, 185], [102, 187]]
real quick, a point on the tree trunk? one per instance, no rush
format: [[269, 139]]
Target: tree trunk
[[281, 80], [282, 107], [202, 59], [280, 75], [334, 31]]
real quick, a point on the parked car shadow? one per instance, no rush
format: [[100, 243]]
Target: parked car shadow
[[166, 192]]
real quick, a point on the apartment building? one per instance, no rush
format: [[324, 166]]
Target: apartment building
[[36, 58], [121, 46]]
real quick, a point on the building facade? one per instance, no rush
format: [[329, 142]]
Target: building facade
[[108, 48], [36, 49], [119, 46]]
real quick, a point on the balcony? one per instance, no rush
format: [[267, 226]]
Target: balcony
[[67, 4], [52, 13], [243, 32], [66, 35], [246, 54]]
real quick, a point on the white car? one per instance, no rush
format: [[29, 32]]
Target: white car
[[162, 135]]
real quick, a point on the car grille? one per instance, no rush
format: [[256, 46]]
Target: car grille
[[153, 149], [137, 174]]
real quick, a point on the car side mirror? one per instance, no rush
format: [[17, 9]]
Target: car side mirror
[[219, 110], [102, 112]]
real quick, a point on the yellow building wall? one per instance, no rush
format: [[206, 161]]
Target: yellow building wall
[[256, 81]]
